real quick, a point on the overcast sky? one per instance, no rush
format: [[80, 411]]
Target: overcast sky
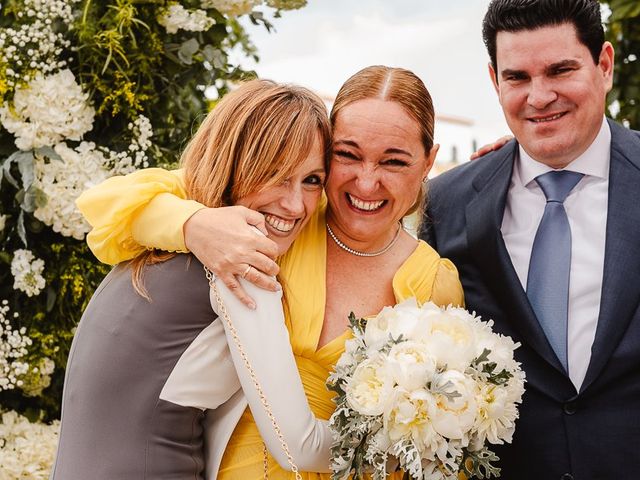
[[321, 45]]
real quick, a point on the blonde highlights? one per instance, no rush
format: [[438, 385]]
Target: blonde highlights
[[254, 138]]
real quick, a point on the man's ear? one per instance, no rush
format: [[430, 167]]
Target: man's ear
[[494, 78], [605, 64]]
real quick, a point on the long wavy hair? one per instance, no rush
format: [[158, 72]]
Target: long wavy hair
[[255, 137]]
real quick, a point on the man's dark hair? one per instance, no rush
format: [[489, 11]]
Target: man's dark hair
[[517, 15]]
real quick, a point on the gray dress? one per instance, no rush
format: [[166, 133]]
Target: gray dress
[[114, 424]]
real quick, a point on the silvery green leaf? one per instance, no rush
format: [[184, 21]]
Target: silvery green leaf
[[33, 198], [22, 233], [187, 50], [48, 152]]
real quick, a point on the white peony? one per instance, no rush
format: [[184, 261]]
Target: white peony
[[411, 365], [27, 272], [452, 340], [175, 17], [404, 320], [408, 416], [369, 387], [63, 181], [454, 412], [48, 110]]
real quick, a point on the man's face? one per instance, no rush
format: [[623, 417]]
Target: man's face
[[551, 91]]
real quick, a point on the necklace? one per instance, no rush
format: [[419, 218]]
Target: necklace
[[364, 254]]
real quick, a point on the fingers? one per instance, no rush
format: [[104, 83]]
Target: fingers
[[490, 147], [261, 280], [256, 219], [231, 281]]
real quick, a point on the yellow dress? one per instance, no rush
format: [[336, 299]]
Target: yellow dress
[[144, 208], [423, 275]]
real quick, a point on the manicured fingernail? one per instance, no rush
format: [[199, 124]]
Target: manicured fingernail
[[277, 287], [252, 306]]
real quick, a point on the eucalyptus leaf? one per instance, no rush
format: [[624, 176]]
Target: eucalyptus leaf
[[20, 228], [51, 298], [187, 50]]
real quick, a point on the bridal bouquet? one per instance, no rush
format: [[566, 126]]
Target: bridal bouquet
[[427, 388]]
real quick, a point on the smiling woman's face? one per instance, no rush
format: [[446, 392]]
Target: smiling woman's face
[[287, 207], [377, 168]]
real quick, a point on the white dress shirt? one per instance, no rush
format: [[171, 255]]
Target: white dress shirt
[[586, 208]]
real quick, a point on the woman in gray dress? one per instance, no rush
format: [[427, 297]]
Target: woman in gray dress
[[150, 356]]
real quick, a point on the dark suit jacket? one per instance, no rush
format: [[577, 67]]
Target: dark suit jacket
[[593, 434]]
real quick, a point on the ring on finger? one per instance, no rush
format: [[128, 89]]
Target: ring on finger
[[246, 272]]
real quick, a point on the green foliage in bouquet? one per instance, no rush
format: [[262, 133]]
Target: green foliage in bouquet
[[89, 89]]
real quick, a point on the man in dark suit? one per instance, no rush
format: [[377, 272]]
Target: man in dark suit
[[545, 234]]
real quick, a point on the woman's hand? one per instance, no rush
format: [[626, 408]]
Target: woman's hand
[[226, 241], [490, 147]]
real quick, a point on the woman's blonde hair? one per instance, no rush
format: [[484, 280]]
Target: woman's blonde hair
[[254, 138], [396, 85]]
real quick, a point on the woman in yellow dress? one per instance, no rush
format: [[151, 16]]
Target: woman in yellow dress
[[353, 256]]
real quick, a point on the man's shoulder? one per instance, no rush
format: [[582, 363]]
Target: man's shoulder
[[463, 177]]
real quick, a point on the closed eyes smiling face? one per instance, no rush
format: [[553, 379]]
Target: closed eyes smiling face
[[377, 167]]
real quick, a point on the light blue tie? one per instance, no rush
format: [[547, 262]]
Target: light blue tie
[[548, 280]]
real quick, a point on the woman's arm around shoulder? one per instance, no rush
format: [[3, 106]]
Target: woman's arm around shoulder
[[113, 207]]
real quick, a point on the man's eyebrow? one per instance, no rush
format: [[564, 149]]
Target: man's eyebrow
[[508, 72], [563, 64]]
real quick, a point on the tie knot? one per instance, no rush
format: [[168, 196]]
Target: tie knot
[[558, 184]]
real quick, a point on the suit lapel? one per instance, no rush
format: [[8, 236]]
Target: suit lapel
[[484, 219], [620, 294]]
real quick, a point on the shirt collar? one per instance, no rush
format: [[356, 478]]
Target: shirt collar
[[590, 163]]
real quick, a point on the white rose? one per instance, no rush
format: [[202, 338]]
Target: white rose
[[454, 412], [411, 365], [369, 387]]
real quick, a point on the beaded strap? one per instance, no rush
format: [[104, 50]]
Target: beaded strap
[[263, 399]]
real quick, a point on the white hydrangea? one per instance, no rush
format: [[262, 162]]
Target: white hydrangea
[[13, 347], [27, 450], [231, 7], [63, 181], [48, 110], [35, 45], [175, 17], [122, 163], [27, 272]]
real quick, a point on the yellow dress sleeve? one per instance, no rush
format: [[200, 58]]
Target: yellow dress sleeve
[[447, 289], [145, 209], [428, 277]]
